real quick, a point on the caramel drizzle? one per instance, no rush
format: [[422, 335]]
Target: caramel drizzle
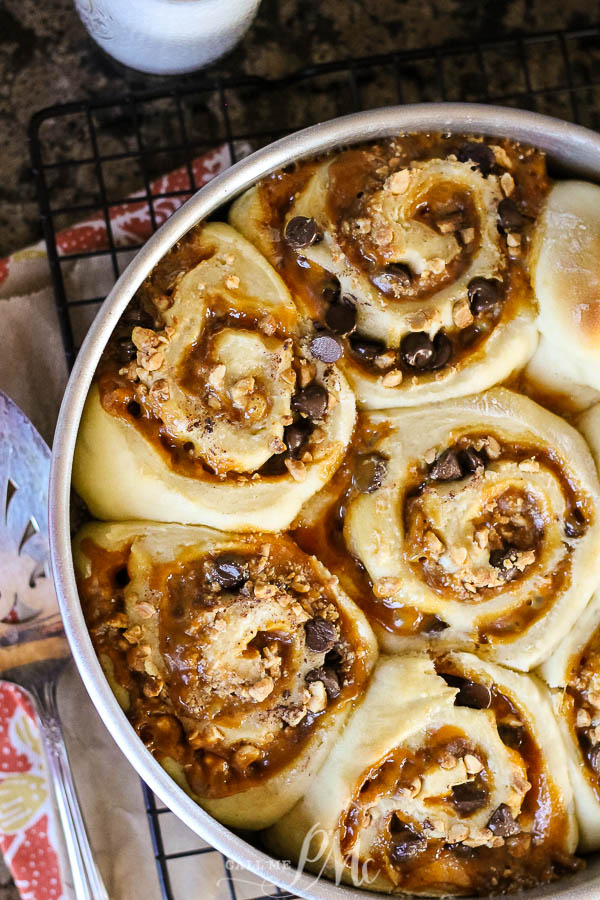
[[449, 866], [165, 722], [354, 175]]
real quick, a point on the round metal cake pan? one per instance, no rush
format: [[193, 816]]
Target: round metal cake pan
[[572, 150]]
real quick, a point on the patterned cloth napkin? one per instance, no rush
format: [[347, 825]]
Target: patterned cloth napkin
[[33, 372]]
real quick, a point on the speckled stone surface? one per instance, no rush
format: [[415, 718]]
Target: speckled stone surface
[[46, 57]]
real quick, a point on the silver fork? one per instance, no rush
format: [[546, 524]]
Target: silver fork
[[33, 647]]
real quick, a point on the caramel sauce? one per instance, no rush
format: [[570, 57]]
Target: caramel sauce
[[102, 600], [118, 393], [324, 537], [456, 868], [573, 700], [164, 722], [167, 722], [354, 176], [501, 627], [305, 280]]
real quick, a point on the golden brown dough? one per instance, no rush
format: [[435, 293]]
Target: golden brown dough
[[565, 268], [573, 674]]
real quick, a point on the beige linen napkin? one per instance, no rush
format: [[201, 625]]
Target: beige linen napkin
[[33, 372]]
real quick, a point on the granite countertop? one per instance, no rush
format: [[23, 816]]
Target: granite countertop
[[46, 58]]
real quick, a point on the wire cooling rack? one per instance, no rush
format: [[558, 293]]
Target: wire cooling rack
[[117, 145]]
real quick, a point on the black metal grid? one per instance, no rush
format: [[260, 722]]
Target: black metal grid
[[557, 73], [232, 882]]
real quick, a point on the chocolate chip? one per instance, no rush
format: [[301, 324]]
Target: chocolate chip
[[134, 409], [512, 735], [275, 465], [326, 347], [341, 317], [332, 292], [320, 634], [369, 471], [328, 677], [393, 277], [136, 315], [122, 577], [594, 758], [311, 400], [467, 336], [334, 657], [296, 437], [229, 570], [301, 232], [471, 694], [478, 153], [446, 467], [484, 294], [365, 349], [468, 797], [406, 845], [462, 851], [575, 524], [126, 349], [434, 625], [470, 460], [417, 350], [499, 558], [509, 217], [501, 822], [443, 351]]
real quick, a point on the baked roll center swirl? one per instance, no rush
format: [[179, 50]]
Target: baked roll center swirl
[[483, 516], [449, 779], [219, 405], [412, 253], [233, 412], [235, 657], [474, 537], [404, 229]]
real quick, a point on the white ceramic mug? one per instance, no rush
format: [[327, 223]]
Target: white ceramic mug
[[166, 37]]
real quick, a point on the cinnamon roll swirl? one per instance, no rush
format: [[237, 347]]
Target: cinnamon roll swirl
[[412, 254], [485, 516], [449, 779], [207, 400], [235, 657]]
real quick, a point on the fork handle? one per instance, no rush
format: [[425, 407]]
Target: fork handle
[[87, 882]]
